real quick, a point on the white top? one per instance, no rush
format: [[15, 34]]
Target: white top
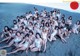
[[44, 36]]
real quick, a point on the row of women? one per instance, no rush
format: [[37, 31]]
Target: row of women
[[32, 31]]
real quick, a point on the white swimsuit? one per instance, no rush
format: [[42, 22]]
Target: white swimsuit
[[26, 44], [15, 27], [44, 36], [25, 22], [54, 33], [16, 40], [37, 43]]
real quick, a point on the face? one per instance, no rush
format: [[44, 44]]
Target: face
[[6, 28], [37, 35], [18, 34], [30, 33]]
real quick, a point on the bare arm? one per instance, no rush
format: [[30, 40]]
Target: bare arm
[[15, 51]]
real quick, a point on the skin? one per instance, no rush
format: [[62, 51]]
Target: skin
[[11, 43], [44, 40], [61, 35], [20, 47], [33, 47]]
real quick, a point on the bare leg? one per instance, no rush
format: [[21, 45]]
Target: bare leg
[[32, 46], [26, 50], [5, 39], [8, 45], [44, 43], [63, 40], [15, 51], [34, 49]]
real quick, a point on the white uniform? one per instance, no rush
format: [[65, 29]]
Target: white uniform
[[44, 36], [37, 43], [53, 34]]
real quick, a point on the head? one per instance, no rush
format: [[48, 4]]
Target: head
[[31, 32], [47, 24], [38, 35], [70, 18], [18, 33], [6, 28], [27, 35], [26, 29], [63, 15], [14, 22], [17, 17], [21, 27]]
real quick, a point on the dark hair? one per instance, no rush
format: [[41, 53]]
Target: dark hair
[[37, 34], [22, 27], [30, 12], [14, 22], [47, 24], [27, 35], [63, 15], [31, 31], [26, 28], [10, 30], [6, 29], [70, 17], [18, 32], [17, 17], [56, 27]]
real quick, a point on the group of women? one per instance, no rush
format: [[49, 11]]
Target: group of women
[[32, 31]]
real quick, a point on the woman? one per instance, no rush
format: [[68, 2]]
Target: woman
[[54, 33], [16, 40], [26, 30], [15, 27], [24, 45], [31, 36], [44, 37], [5, 32], [76, 27], [61, 34], [9, 37], [36, 46], [69, 24]]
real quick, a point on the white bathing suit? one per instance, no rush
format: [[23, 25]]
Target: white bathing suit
[[25, 22], [22, 20], [59, 16], [54, 33], [44, 36], [17, 39], [55, 23], [15, 27], [13, 35], [37, 43], [69, 22], [54, 15], [26, 44]]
